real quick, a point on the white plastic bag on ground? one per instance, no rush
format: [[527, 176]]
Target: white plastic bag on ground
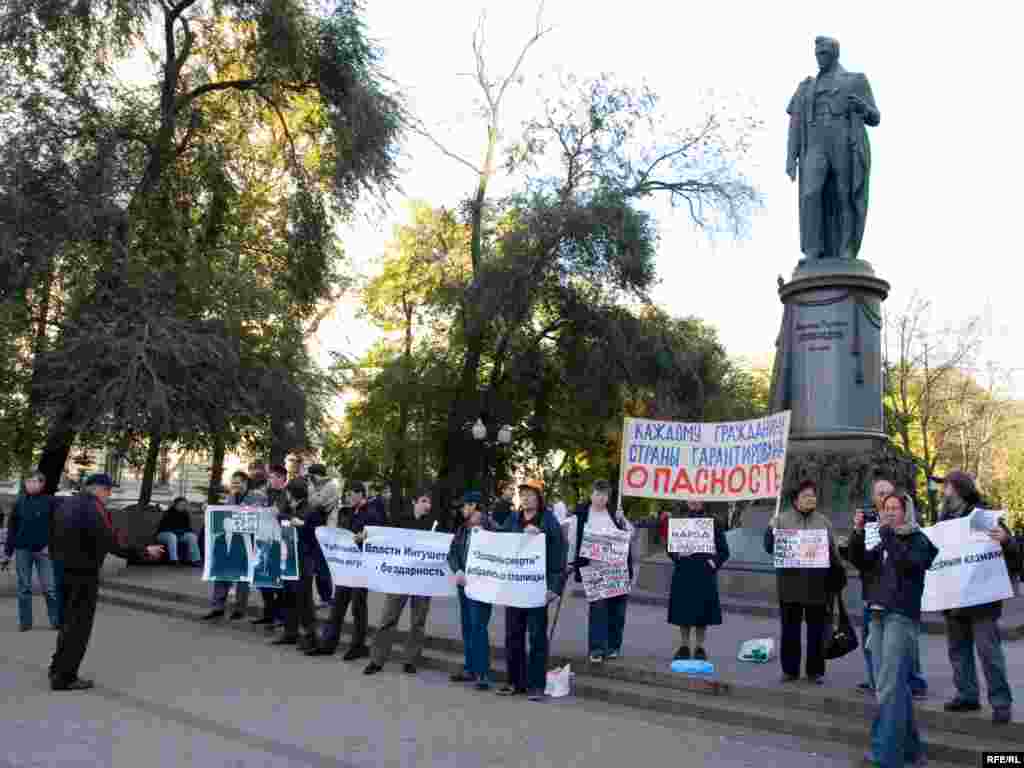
[[758, 651], [559, 682]]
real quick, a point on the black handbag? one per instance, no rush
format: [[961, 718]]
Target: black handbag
[[840, 639]]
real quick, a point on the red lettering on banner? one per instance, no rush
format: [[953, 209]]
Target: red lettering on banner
[[631, 475], [755, 478], [682, 482], [773, 478], [742, 474], [701, 484], [718, 480], [665, 475]]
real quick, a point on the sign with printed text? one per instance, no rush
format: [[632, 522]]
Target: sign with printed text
[[969, 569], [691, 535], [344, 557], [603, 580], [726, 461], [611, 546], [400, 561], [801, 548], [872, 538], [507, 569]]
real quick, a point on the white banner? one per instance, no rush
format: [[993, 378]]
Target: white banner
[[402, 561], [343, 556], [969, 569], [691, 535], [801, 548], [611, 546], [507, 569], [601, 581]]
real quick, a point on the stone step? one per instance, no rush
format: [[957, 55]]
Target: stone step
[[787, 710]]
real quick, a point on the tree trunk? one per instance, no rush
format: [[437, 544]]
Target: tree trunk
[[152, 461], [29, 428], [59, 440], [216, 470]]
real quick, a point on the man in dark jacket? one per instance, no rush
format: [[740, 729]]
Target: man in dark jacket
[[503, 507], [419, 518], [28, 535], [528, 676], [81, 539], [897, 567], [273, 599], [977, 625], [361, 514], [297, 605]]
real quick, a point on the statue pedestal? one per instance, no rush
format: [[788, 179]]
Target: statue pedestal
[[828, 372]]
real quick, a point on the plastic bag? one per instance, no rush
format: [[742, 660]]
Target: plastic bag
[[758, 651], [559, 682], [693, 667]]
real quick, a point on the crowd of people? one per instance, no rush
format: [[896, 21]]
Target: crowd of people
[[66, 546]]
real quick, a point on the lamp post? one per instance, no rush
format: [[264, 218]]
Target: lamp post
[[933, 489], [502, 439]]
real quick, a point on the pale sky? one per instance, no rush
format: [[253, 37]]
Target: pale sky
[[946, 155]]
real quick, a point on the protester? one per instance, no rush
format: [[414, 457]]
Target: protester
[[918, 685], [324, 495], [802, 591], [977, 625], [419, 519], [274, 599], [503, 507], [694, 604], [297, 596], [530, 676], [896, 568], [81, 539], [28, 534], [361, 515], [606, 619], [475, 615], [174, 528], [238, 496]]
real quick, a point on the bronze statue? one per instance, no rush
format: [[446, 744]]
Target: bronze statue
[[829, 143]]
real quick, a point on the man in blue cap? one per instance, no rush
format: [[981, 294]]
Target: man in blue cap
[[81, 539]]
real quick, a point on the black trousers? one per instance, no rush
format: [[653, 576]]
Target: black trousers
[[323, 577], [360, 620], [297, 600], [793, 616], [78, 607], [273, 603]]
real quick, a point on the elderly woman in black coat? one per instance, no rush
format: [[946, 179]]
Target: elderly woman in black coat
[[694, 605]]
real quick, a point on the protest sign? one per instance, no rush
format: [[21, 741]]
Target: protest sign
[[604, 580], [969, 569], [230, 551], [507, 569], [268, 545], [691, 535], [344, 557], [408, 562], [727, 461], [607, 546], [985, 520], [801, 548], [872, 538]]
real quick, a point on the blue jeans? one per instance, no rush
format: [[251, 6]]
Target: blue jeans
[[476, 640], [918, 684], [24, 559], [894, 735], [170, 541], [526, 673], [605, 625]]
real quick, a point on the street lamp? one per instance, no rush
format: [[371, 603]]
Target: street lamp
[[503, 438], [933, 489]]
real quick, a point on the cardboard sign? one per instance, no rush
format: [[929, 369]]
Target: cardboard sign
[[801, 548], [691, 535]]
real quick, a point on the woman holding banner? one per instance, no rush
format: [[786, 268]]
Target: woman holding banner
[[802, 566], [476, 616], [694, 604], [606, 619]]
